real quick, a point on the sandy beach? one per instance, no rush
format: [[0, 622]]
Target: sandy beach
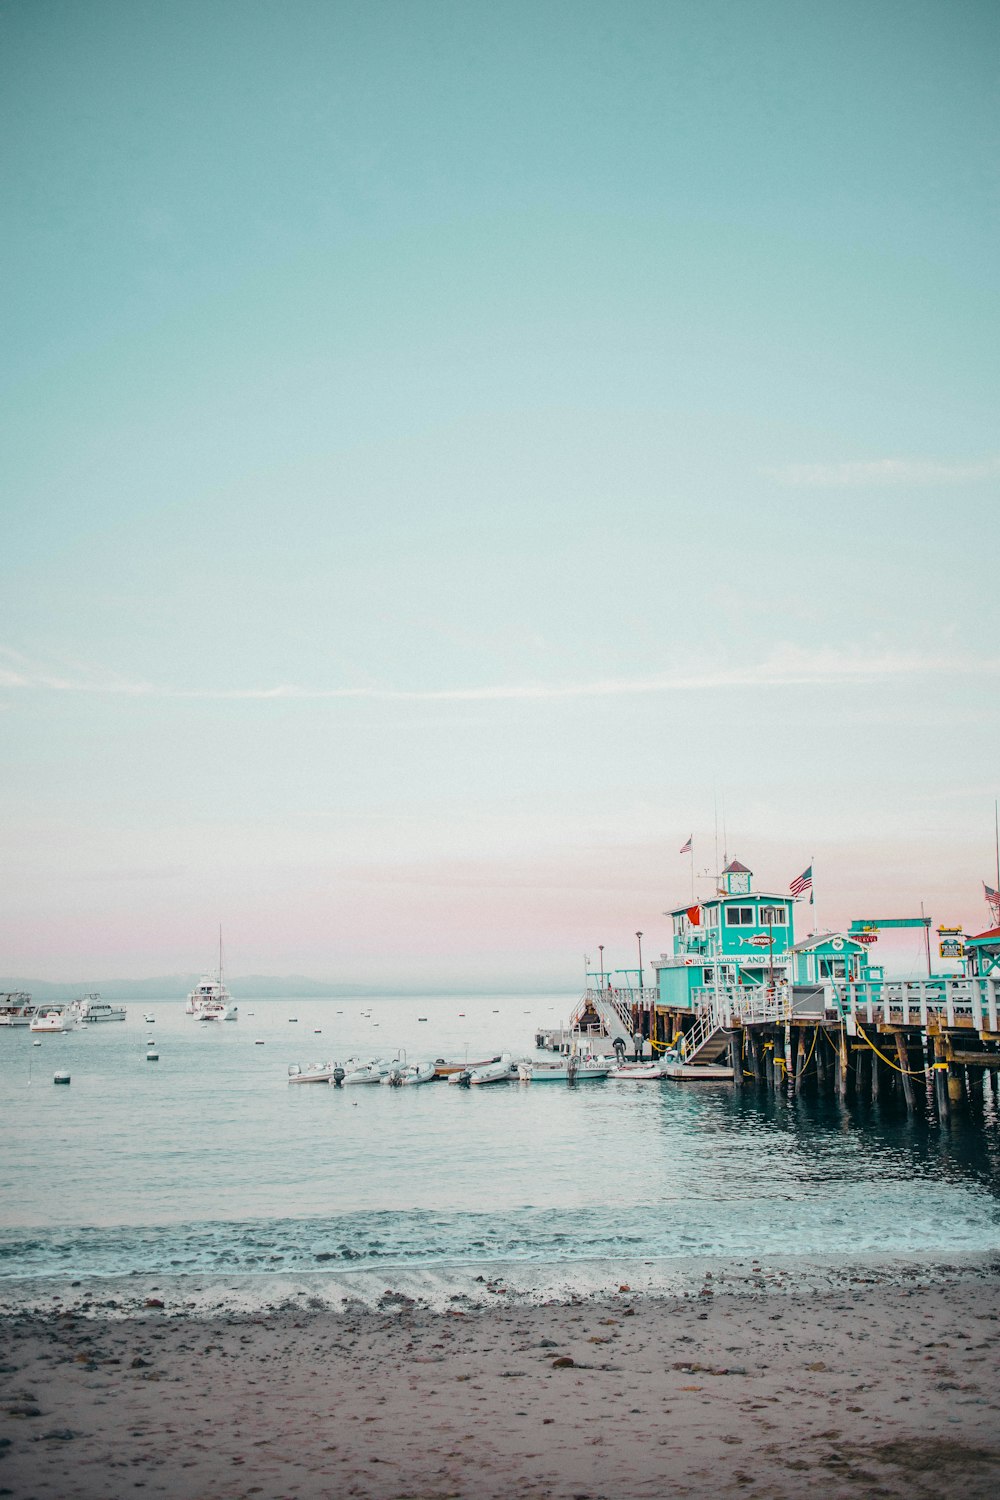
[[867, 1388]]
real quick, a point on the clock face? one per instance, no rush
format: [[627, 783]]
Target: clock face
[[739, 884]]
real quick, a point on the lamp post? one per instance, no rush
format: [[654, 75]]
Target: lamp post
[[600, 949], [641, 980]]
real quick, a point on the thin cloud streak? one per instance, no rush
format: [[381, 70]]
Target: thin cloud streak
[[791, 667], [883, 471]]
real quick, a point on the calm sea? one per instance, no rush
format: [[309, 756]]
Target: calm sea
[[207, 1166]]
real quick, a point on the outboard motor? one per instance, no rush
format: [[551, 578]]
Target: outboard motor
[[338, 1076], [465, 1079], [395, 1079], [571, 1066]]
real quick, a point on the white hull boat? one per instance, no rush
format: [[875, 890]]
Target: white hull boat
[[498, 1072], [311, 1073], [92, 1009], [210, 1000], [55, 1018], [400, 1075], [638, 1072], [369, 1072], [569, 1070], [17, 1009]]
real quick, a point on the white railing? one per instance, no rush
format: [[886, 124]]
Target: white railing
[[958, 1002], [614, 1007], [729, 1004]]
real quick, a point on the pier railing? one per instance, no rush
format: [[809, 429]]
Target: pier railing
[[614, 1006], [738, 1004], [958, 1002]]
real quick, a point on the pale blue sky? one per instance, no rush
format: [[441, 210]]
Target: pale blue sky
[[579, 412]]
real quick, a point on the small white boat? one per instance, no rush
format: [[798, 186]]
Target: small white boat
[[368, 1072], [92, 1008], [638, 1072], [567, 1070], [496, 1072], [404, 1073], [149, 1020], [311, 1073], [55, 1018]]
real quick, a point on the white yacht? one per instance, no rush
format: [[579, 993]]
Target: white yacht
[[16, 1008], [92, 1008], [55, 1018], [210, 1000]]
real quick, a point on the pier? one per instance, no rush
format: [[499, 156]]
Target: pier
[[935, 1040]]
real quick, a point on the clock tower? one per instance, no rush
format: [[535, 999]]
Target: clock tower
[[736, 878]]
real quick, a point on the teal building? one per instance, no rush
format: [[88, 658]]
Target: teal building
[[739, 936]]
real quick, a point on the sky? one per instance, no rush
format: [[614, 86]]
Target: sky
[[452, 452]]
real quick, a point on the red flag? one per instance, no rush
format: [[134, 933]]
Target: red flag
[[694, 915]]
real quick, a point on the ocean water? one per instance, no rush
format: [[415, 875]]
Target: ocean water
[[207, 1168]]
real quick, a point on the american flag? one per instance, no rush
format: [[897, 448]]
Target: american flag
[[802, 882], [992, 896], [686, 848]]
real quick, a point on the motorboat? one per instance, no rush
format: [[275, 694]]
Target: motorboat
[[638, 1072], [450, 1070], [566, 1070], [317, 1072], [17, 1008], [404, 1073], [368, 1072], [92, 1008], [55, 1018], [493, 1072]]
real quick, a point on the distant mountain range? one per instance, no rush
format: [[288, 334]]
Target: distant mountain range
[[244, 987]]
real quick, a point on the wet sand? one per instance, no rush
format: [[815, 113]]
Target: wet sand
[[865, 1389]]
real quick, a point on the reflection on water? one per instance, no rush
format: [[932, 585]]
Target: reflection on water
[[208, 1161]]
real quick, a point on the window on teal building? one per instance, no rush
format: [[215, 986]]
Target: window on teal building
[[775, 916], [739, 916]]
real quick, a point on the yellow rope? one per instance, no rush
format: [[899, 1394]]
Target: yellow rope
[[909, 1072]]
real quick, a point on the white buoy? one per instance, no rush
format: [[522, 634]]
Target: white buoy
[[152, 1057], [259, 1042], [36, 1043]]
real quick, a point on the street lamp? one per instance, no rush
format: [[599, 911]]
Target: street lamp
[[600, 949], [641, 979]]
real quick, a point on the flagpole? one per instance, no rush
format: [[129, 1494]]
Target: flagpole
[[812, 893], [996, 837], [692, 871]]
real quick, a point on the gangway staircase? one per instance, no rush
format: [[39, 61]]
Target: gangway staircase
[[706, 1041], [612, 1010]]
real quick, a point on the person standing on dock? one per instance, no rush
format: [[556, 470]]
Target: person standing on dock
[[637, 1043]]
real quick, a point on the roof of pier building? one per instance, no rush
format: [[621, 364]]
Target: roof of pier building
[[823, 939]]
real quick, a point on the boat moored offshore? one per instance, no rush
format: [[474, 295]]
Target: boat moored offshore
[[17, 1008], [210, 1000], [55, 1018], [92, 1008]]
